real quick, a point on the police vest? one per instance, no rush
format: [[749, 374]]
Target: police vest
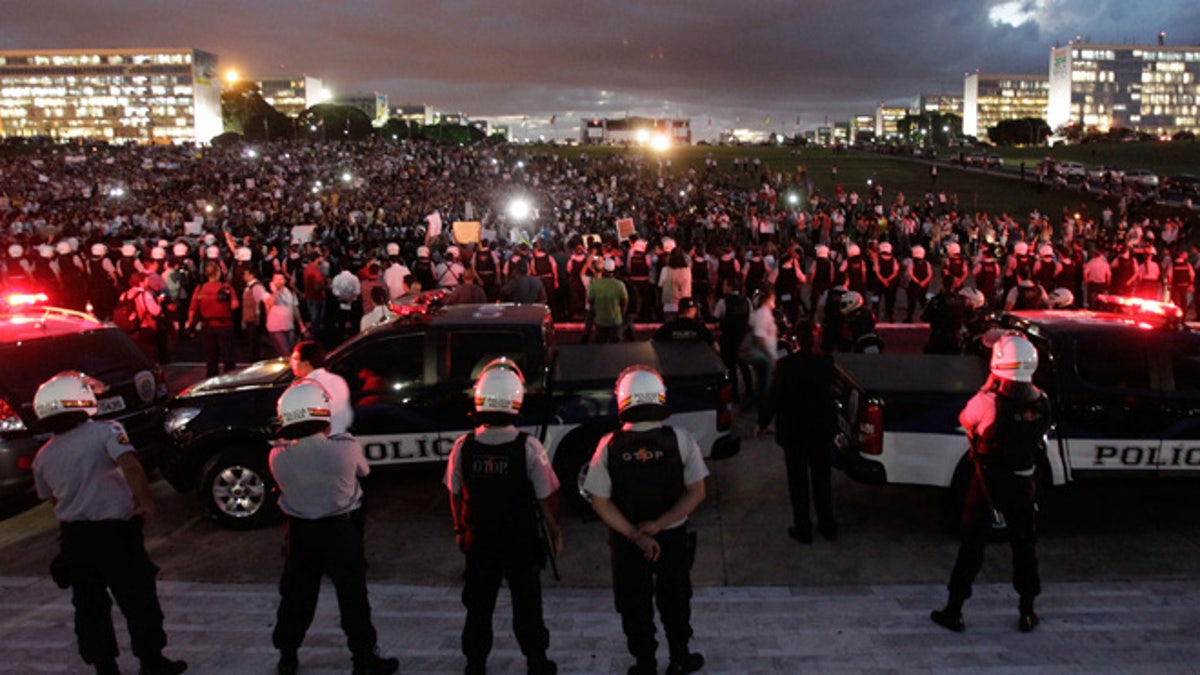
[[856, 273], [1045, 275], [1029, 297], [700, 273], [886, 267], [822, 276], [756, 275], [98, 277], [985, 281], [1022, 418], [639, 269], [787, 282], [1024, 268], [646, 471], [485, 267], [542, 268], [423, 270], [921, 270], [498, 499], [726, 269], [956, 268], [1067, 274], [1123, 273], [1181, 274]]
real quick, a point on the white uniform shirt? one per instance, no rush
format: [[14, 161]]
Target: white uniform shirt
[[79, 469], [599, 481], [537, 464], [339, 400], [318, 475]]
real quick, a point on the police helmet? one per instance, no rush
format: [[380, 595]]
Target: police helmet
[[128, 250], [852, 250], [45, 250], [99, 250], [953, 249], [158, 253], [243, 254], [821, 251], [67, 393], [1020, 248], [974, 297], [918, 252], [180, 249], [850, 301], [212, 253], [641, 395], [393, 249], [303, 409], [16, 251], [885, 248], [1060, 298], [499, 392], [63, 248], [210, 239], [1014, 358], [668, 244], [422, 251], [639, 245], [1046, 251]]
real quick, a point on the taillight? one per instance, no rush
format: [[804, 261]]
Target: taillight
[[725, 407], [870, 427], [10, 421]]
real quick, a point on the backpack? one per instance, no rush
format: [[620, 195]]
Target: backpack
[[126, 314]]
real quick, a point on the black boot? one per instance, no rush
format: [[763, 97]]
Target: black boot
[[374, 664], [107, 668], [644, 667], [540, 665], [1028, 618], [688, 664], [949, 619], [161, 665], [289, 663]]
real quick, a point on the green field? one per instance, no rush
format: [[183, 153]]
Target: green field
[[991, 193]]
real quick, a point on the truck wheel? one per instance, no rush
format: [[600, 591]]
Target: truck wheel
[[236, 489], [570, 465]]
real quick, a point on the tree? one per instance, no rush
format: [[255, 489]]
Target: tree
[[334, 122], [244, 111], [1021, 131]]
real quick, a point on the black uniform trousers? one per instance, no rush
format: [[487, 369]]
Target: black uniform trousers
[[639, 584], [217, 344], [110, 556], [805, 461], [328, 546], [521, 567], [1012, 496]]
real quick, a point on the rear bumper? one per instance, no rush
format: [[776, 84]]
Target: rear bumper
[[861, 469], [726, 446]]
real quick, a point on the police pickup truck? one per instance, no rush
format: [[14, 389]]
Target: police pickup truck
[[1124, 387], [411, 384]]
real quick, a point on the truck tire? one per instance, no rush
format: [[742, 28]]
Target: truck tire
[[236, 489], [570, 465]]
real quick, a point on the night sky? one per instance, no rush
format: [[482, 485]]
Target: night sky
[[736, 63]]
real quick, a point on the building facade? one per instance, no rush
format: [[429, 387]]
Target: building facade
[[374, 105], [116, 95], [942, 104], [633, 131], [1153, 89], [887, 121], [989, 99], [292, 96]]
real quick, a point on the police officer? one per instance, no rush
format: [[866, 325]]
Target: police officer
[[92, 476], [645, 479], [423, 269], [946, 314], [500, 480], [1005, 422], [320, 494], [920, 274]]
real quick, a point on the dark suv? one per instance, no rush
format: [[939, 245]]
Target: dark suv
[[38, 342]]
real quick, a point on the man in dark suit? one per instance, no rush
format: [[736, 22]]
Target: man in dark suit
[[801, 399]]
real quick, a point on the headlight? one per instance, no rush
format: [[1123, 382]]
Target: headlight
[[177, 418]]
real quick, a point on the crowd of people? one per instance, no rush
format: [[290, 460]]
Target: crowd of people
[[268, 245]]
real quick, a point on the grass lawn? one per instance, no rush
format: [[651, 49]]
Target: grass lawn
[[992, 193]]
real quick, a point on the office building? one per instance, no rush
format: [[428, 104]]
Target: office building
[[292, 96], [116, 95], [1153, 89], [989, 99], [887, 121]]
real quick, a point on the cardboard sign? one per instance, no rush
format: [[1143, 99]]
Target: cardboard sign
[[624, 228], [465, 231], [434, 227], [303, 233]]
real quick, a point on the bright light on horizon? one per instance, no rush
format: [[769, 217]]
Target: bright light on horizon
[[519, 208], [660, 143], [231, 76]]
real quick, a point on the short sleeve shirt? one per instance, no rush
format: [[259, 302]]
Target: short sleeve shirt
[[318, 475], [79, 469], [537, 464]]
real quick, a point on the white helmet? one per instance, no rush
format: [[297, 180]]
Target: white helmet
[[158, 253], [974, 297], [918, 252], [243, 254], [393, 249], [1020, 248], [850, 301], [99, 250], [422, 251], [303, 409], [1046, 251], [641, 395], [953, 248], [162, 243], [639, 245], [46, 250], [452, 251], [128, 250], [180, 249], [63, 248], [212, 253], [821, 251], [210, 239], [1060, 298], [1014, 358], [852, 250], [668, 244], [499, 391], [16, 251], [885, 247], [66, 392]]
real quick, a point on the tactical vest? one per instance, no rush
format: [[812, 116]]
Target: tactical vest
[[956, 268], [1181, 274], [726, 269], [987, 279], [886, 267], [1045, 275], [787, 282], [646, 471], [756, 276], [700, 275], [639, 269], [542, 268], [822, 276], [485, 267], [856, 273], [1029, 297], [498, 499], [921, 269], [1011, 442]]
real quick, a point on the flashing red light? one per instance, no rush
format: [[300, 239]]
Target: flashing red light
[[1143, 306], [15, 300]]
